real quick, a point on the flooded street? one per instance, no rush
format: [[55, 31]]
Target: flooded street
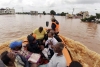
[[15, 26]]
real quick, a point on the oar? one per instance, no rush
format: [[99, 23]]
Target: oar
[[47, 23]]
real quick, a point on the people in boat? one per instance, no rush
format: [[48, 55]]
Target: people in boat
[[75, 64], [46, 52], [56, 36], [58, 59], [55, 25], [51, 41], [12, 60], [33, 45], [40, 33], [15, 46], [18, 48]]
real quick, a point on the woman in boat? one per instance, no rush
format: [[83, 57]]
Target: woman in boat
[[51, 40], [33, 45], [12, 60], [17, 48]]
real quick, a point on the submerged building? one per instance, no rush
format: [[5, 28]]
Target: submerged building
[[34, 12], [7, 11], [84, 14]]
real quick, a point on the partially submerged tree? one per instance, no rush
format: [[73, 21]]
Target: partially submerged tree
[[52, 12], [44, 12]]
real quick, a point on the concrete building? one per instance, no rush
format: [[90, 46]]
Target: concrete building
[[7, 11], [34, 12], [69, 15], [85, 14]]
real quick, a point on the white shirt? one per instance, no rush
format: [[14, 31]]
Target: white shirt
[[57, 61], [46, 52], [53, 40]]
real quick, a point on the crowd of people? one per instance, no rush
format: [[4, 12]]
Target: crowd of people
[[42, 48]]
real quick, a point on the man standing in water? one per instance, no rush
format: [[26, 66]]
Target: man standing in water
[[58, 59]]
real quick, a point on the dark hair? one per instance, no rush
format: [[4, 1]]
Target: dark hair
[[40, 28], [61, 45], [51, 33], [5, 59], [75, 64], [30, 38]]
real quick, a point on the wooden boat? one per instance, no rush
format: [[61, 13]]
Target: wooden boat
[[78, 51]]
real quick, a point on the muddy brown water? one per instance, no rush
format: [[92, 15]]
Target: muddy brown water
[[15, 26]]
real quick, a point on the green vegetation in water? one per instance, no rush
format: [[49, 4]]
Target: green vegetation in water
[[91, 18]]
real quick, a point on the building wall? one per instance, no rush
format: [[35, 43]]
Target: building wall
[[34, 12], [7, 11]]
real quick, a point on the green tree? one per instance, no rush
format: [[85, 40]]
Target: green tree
[[44, 12], [97, 15], [63, 14], [52, 12]]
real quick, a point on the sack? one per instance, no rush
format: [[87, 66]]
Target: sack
[[34, 58]]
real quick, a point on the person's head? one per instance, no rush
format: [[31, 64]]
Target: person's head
[[52, 31], [16, 45], [58, 47], [50, 35], [8, 58], [31, 39], [53, 19], [75, 64], [40, 29]]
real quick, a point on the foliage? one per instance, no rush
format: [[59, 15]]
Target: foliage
[[44, 12], [52, 12], [23, 13], [98, 15], [63, 14], [91, 18]]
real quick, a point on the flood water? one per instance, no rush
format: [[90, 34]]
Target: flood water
[[15, 26]]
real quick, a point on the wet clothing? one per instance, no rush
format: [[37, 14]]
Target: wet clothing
[[57, 61], [38, 34]]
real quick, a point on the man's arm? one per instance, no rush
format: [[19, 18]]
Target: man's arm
[[53, 26]]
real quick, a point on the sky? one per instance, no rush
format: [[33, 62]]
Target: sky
[[93, 6]]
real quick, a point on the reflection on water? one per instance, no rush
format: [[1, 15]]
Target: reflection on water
[[15, 26]]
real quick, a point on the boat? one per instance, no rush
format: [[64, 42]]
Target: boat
[[73, 51]]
